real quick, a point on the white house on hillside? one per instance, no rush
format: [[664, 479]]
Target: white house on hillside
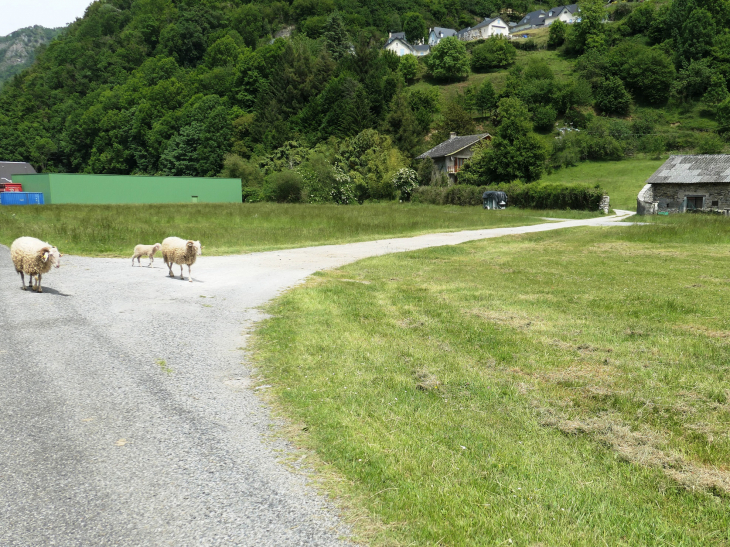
[[567, 14], [485, 29], [534, 19], [438, 33], [398, 44]]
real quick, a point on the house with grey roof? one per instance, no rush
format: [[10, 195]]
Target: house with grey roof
[[534, 19], [688, 183], [10, 168], [436, 34], [567, 14], [485, 29], [449, 156], [398, 44]]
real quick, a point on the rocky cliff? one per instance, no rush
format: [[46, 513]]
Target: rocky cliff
[[17, 49]]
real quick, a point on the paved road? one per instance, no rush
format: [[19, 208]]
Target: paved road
[[126, 413]]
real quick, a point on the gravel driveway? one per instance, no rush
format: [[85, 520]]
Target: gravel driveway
[[126, 412]]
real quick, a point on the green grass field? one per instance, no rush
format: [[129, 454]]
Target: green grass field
[[565, 388], [114, 230], [622, 180]]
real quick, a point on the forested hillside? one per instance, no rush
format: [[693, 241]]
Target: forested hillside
[[17, 49], [185, 87]]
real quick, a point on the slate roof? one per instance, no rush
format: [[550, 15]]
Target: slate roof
[[706, 168], [452, 146], [445, 32], [10, 168], [534, 18], [572, 8], [424, 48]]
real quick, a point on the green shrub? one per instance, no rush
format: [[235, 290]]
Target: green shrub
[[527, 45], [710, 143], [544, 118], [534, 196], [495, 52], [283, 187]]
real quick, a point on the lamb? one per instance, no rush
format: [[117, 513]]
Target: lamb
[[33, 257], [145, 250], [179, 251]]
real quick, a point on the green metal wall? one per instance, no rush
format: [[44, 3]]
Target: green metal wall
[[100, 189]]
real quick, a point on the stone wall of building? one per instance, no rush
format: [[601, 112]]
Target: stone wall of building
[[670, 197]]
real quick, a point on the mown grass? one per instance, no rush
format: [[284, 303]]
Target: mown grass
[[622, 180], [114, 230], [563, 388]]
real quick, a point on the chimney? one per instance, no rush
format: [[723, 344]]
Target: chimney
[[452, 136]]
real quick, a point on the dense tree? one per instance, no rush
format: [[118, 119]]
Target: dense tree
[[556, 35], [723, 117], [515, 153], [448, 59], [408, 67], [454, 119], [588, 31], [612, 97], [695, 37], [335, 37], [485, 99], [415, 27], [495, 52], [650, 75]]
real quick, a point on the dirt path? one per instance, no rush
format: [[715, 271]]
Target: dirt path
[[127, 416]]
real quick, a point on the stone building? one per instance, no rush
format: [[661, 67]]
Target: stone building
[[687, 183], [449, 156]]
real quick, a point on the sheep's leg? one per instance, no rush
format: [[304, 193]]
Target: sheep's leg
[[38, 284], [190, 276], [181, 271], [151, 261], [22, 280]]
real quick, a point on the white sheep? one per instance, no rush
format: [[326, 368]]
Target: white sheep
[[180, 251], [145, 250], [33, 257]]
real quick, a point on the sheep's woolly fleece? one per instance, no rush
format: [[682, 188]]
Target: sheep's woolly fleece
[[33, 257], [146, 250]]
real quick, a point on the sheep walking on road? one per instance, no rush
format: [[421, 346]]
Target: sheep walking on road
[[145, 250], [180, 251], [33, 257]]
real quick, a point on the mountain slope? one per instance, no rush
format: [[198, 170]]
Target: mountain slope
[[18, 49]]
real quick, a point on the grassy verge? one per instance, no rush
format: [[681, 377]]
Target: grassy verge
[[565, 388], [622, 180], [114, 230]]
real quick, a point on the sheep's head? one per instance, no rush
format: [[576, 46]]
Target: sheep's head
[[51, 254], [195, 245], [156, 247]]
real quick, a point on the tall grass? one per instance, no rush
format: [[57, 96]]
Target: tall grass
[[114, 230], [562, 388], [621, 180]]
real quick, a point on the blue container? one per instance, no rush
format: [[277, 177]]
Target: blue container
[[21, 198]]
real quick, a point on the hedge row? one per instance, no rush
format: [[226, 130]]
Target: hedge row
[[536, 195]]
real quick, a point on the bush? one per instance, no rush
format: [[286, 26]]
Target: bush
[[710, 143], [612, 97], [495, 52], [283, 187], [404, 181], [527, 45], [544, 118], [252, 179], [556, 37], [536, 195], [408, 67]]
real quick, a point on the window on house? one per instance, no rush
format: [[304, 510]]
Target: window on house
[[695, 202], [715, 203]]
